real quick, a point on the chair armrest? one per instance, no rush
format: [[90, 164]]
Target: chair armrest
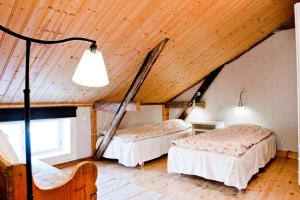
[[81, 184], [3, 162]]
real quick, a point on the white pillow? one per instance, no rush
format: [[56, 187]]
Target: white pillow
[[178, 123], [248, 127], [6, 150]]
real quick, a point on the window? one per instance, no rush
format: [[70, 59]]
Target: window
[[14, 132], [48, 137]]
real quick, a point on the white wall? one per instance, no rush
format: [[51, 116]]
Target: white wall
[[80, 138], [149, 114], [268, 74], [83, 133]]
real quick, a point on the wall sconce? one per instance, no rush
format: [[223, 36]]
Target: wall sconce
[[241, 105], [194, 101]]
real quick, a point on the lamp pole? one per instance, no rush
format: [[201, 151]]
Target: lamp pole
[[27, 122], [27, 95]]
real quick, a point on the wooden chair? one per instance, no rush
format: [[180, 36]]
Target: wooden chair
[[79, 185]]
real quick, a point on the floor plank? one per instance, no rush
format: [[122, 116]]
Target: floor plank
[[278, 180]]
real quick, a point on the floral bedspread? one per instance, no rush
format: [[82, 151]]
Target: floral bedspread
[[234, 140], [138, 133]]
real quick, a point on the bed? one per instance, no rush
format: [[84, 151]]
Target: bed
[[135, 145], [231, 155]]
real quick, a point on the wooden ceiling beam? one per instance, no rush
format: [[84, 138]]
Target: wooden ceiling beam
[[45, 104], [112, 107], [132, 91], [201, 91], [182, 104]]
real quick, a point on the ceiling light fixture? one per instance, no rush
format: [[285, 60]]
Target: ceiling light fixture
[[91, 69]]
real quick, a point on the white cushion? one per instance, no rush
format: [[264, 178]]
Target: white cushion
[[7, 151], [45, 176], [179, 124]]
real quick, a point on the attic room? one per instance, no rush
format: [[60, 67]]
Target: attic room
[[170, 99]]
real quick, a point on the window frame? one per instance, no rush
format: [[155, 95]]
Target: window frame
[[61, 137]]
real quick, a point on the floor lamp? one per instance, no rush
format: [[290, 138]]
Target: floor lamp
[[90, 72]]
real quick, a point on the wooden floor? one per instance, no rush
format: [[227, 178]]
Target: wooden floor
[[277, 181]]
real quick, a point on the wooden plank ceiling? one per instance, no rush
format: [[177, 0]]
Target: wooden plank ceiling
[[203, 34]]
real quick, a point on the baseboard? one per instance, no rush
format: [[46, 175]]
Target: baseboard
[[293, 155], [282, 154], [72, 163], [287, 154]]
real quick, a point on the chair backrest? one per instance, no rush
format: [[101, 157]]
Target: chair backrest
[[7, 151], [9, 168]]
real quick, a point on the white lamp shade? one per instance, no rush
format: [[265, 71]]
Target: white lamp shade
[[91, 70]]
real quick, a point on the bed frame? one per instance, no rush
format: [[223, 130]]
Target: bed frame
[[136, 153], [79, 186]]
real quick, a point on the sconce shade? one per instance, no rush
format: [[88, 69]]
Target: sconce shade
[[241, 99], [240, 103], [91, 70]]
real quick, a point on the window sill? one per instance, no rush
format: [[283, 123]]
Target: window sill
[[51, 154]]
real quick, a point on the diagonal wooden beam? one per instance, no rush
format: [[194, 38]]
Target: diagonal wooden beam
[[132, 91], [201, 91]]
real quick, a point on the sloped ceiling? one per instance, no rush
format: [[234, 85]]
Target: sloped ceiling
[[203, 34]]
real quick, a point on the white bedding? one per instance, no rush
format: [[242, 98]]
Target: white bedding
[[142, 132], [133, 153], [45, 176], [233, 140], [232, 170]]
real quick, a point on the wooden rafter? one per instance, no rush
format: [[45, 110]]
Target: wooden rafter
[[45, 105], [182, 104], [113, 106], [201, 91], [132, 91]]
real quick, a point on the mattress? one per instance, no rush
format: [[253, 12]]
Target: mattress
[[141, 132], [131, 154], [233, 140], [231, 170]]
